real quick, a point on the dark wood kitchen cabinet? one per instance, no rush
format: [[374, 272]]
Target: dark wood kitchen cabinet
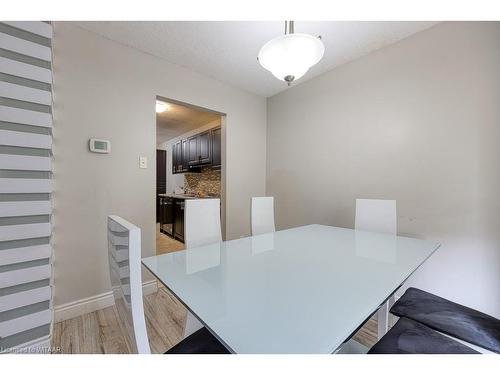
[[177, 157], [203, 149], [167, 215], [200, 149], [192, 150], [179, 219], [180, 158], [216, 148], [184, 156]]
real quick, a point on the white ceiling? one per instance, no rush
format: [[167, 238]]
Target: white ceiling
[[227, 50], [180, 119]]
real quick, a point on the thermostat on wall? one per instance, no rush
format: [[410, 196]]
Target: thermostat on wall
[[101, 146]]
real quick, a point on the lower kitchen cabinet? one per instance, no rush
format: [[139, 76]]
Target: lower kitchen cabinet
[[167, 215], [179, 219]]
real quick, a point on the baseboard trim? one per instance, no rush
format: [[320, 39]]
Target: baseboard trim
[[101, 301]]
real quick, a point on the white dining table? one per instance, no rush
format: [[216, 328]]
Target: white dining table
[[301, 290]]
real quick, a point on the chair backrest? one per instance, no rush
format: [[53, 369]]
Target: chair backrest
[[202, 222], [376, 215], [124, 253], [262, 215], [201, 227]]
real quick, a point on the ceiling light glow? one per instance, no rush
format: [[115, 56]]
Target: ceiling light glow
[[161, 106]]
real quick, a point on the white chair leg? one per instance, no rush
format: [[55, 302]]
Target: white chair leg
[[192, 325], [383, 319], [390, 319]]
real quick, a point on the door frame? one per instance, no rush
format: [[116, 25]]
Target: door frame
[[223, 178]]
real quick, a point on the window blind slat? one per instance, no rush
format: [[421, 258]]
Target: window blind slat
[[22, 139], [24, 254], [28, 208], [29, 297], [25, 185], [27, 94], [17, 68], [25, 47], [24, 275], [25, 163], [25, 116], [23, 231], [24, 323], [36, 27]]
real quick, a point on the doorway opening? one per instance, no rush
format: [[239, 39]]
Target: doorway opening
[[190, 164]]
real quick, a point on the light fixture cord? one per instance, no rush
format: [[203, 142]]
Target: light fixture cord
[[289, 27]]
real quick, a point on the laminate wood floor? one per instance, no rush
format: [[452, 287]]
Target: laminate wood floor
[[166, 244], [102, 332]]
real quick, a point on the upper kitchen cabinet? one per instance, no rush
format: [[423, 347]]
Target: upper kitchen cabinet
[[177, 157], [204, 149], [184, 154], [174, 158], [200, 149], [216, 148], [192, 150]]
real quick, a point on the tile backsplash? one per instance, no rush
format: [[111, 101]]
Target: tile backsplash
[[207, 182]]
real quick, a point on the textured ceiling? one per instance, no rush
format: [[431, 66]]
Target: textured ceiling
[[180, 119], [227, 50]]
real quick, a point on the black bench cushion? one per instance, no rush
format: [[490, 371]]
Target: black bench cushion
[[410, 337], [450, 318], [199, 342]]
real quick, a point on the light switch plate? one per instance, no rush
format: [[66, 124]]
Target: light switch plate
[[143, 162]]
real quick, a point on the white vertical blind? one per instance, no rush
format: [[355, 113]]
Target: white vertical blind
[[25, 183]]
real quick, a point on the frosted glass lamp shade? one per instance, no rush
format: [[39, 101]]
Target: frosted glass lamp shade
[[288, 57]]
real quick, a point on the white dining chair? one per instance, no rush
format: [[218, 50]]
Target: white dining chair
[[378, 215], [262, 215], [202, 222], [124, 254], [202, 226]]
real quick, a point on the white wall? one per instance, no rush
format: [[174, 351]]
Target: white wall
[[106, 90], [177, 180], [418, 121]]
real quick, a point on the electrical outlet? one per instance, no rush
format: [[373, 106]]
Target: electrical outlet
[[143, 162]]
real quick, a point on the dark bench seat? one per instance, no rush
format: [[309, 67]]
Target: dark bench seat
[[450, 318], [199, 342], [410, 337]]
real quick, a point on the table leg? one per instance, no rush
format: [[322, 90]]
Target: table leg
[[384, 318], [390, 319], [192, 325]]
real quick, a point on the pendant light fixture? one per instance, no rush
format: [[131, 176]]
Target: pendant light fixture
[[288, 57]]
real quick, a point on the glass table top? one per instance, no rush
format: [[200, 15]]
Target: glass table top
[[300, 290]]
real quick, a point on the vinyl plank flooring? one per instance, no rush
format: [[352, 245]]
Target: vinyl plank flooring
[[166, 244], [103, 331], [111, 333], [367, 335]]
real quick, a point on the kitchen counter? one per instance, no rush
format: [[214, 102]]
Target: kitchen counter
[[183, 196]]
